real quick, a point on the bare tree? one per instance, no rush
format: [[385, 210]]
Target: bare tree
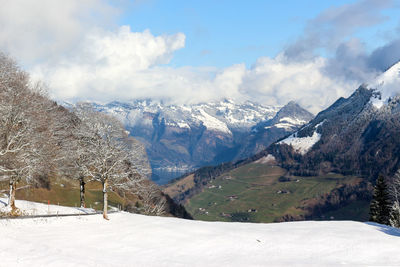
[[74, 152], [22, 127], [106, 154], [394, 191], [153, 202], [35, 133]]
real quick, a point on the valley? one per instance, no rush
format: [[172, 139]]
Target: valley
[[199, 133], [263, 192], [324, 170]]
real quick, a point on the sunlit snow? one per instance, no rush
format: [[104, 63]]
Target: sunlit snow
[[388, 84], [302, 144], [34, 208], [137, 240], [212, 123]]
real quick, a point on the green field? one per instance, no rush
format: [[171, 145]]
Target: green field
[[254, 193], [64, 192]]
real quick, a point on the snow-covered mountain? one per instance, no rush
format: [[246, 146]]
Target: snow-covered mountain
[[179, 138], [386, 86], [358, 134], [218, 116], [288, 119]]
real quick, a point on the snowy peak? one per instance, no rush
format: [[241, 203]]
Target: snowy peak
[[387, 85], [358, 134], [296, 114], [390, 76], [219, 116], [211, 122], [287, 120], [179, 138], [290, 117], [329, 121]]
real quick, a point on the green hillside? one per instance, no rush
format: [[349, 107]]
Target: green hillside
[[260, 192], [66, 193]]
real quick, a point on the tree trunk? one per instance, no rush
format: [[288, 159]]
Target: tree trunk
[[105, 198], [11, 197], [82, 181]]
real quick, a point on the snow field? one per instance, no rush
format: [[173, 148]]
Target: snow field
[[302, 144], [137, 240], [34, 208]]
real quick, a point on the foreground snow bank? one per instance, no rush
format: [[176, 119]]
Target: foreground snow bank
[[137, 240], [34, 208]]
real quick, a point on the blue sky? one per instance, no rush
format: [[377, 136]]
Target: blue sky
[[221, 33], [185, 52]]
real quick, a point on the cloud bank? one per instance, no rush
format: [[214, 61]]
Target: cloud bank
[[37, 31], [79, 58]]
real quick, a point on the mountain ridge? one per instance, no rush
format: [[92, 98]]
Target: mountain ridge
[[353, 137], [358, 134], [180, 138]]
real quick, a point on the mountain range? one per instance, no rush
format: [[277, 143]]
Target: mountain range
[[350, 143], [181, 138], [355, 135]]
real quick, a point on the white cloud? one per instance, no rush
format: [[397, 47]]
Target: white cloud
[[125, 65], [111, 65], [43, 29], [278, 80], [75, 47]]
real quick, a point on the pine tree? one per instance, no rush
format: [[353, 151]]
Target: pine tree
[[380, 205]]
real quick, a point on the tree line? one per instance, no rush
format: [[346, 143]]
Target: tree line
[[385, 204], [39, 138]]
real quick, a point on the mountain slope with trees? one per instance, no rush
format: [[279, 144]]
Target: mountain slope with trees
[[355, 136], [42, 142]]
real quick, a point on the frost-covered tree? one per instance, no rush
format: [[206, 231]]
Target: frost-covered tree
[[380, 205], [152, 200], [23, 127], [395, 196], [106, 155], [394, 219], [75, 152], [72, 153]]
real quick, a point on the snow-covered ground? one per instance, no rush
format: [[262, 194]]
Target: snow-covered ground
[[33, 208], [137, 240], [301, 144]]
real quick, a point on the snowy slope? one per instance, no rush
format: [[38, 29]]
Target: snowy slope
[[181, 138], [303, 144], [137, 240], [289, 123], [387, 84], [34, 208], [215, 116]]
